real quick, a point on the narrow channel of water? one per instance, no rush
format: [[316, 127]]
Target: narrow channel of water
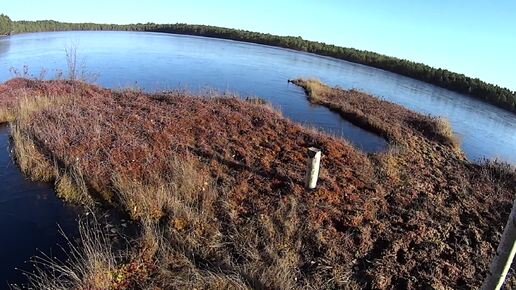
[[30, 214]]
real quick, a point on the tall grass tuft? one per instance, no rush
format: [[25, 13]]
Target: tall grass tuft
[[443, 128], [71, 186], [91, 264], [32, 163], [183, 187]]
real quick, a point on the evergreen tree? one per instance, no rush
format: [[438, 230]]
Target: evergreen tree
[[5, 25]]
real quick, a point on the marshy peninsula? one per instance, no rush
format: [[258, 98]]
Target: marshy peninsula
[[175, 157]]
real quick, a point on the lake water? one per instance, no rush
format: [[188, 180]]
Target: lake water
[[155, 61]]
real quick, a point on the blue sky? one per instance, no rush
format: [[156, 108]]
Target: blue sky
[[477, 38]]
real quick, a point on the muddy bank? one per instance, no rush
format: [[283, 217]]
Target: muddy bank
[[227, 176]]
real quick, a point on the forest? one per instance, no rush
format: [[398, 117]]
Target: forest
[[5, 25], [494, 94]]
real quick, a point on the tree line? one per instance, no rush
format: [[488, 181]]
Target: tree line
[[5, 25], [494, 94]]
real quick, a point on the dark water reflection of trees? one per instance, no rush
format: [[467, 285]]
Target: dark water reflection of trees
[[5, 45]]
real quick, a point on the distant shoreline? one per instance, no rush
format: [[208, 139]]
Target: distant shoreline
[[501, 97]]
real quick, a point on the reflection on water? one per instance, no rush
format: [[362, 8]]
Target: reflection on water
[[163, 61], [29, 215], [5, 44]]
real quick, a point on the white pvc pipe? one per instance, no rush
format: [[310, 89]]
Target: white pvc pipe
[[504, 255], [312, 171]]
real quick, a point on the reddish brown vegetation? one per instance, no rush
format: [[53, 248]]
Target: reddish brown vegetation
[[16, 89], [443, 215], [394, 122], [417, 216], [248, 148]]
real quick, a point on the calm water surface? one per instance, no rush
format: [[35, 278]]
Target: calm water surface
[[156, 61], [29, 215], [152, 61]]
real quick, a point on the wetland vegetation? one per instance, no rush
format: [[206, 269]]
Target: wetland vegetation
[[216, 186]]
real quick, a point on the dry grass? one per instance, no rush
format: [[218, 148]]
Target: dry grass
[[394, 122], [216, 185], [32, 163], [182, 185], [345, 103], [314, 89], [256, 101], [265, 252], [71, 186], [18, 90], [426, 179], [271, 246], [92, 264], [6, 115], [444, 129], [69, 182], [391, 165], [189, 244]]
